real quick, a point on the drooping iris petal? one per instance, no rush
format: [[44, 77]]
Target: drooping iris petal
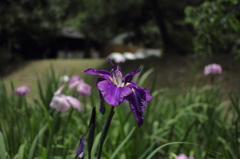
[[137, 107], [128, 77], [74, 103], [80, 149], [60, 103], [147, 95], [113, 94], [102, 105], [138, 100]]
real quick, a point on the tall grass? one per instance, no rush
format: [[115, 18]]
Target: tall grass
[[197, 123]]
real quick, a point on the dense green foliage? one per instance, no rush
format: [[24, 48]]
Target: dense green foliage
[[198, 123], [217, 25]]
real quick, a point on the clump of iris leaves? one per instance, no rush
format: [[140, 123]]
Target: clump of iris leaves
[[197, 123]]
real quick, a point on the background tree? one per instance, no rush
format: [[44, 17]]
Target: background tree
[[30, 26], [217, 25], [155, 23]]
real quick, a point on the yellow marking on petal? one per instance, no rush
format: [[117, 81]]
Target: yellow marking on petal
[[111, 79], [133, 90], [128, 84]]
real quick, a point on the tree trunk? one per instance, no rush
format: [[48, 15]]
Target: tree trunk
[[168, 44]]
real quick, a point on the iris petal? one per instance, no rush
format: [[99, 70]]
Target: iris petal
[[111, 63], [80, 149], [113, 94], [128, 77], [74, 102], [97, 72], [102, 105], [73, 81], [138, 100], [60, 103]]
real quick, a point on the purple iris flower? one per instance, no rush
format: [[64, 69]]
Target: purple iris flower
[[80, 149], [116, 89]]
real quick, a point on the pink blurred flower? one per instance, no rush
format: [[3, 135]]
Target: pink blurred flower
[[82, 87], [21, 91], [73, 81], [212, 69], [62, 102], [183, 156]]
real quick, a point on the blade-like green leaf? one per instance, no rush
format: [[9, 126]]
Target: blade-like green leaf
[[122, 144], [21, 151], [34, 143], [144, 77], [3, 153]]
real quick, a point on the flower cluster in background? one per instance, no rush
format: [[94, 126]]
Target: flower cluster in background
[[212, 69], [81, 87], [62, 103]]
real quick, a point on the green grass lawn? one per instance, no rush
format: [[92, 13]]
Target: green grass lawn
[[173, 72], [29, 72]]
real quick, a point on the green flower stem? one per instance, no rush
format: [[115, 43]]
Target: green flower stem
[[66, 125], [105, 130]]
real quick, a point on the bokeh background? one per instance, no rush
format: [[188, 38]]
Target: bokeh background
[[190, 31]]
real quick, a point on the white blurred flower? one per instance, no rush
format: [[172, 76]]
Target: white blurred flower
[[117, 57], [129, 56], [140, 54], [64, 78]]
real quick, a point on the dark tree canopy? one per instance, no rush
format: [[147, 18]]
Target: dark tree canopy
[[26, 23], [181, 27], [154, 23]]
